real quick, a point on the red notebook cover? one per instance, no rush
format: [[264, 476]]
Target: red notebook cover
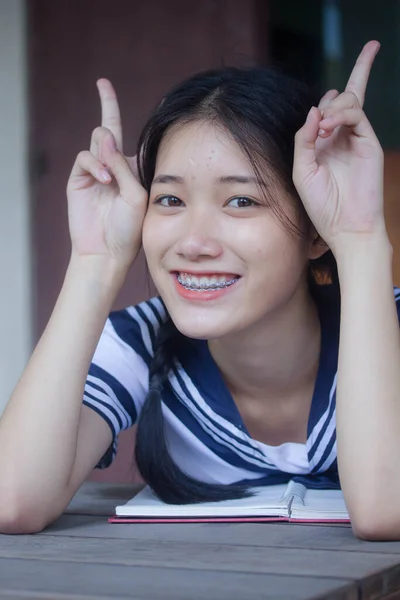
[[116, 519]]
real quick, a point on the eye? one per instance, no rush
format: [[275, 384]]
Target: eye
[[170, 201], [241, 202]]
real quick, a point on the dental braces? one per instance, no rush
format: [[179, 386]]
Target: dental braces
[[212, 286]]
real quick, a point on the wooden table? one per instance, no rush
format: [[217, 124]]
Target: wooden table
[[83, 557]]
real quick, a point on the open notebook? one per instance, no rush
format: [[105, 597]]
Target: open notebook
[[291, 502]]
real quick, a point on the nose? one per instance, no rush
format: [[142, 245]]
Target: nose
[[198, 241]]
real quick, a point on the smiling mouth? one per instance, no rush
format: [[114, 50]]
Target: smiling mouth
[[206, 283]]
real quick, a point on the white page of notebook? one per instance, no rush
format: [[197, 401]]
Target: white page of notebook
[[267, 501], [320, 504]]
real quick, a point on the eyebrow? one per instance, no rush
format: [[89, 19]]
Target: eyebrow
[[240, 179], [226, 179], [168, 179]]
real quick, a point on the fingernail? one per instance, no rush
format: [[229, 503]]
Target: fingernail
[[309, 113], [104, 175], [321, 132]]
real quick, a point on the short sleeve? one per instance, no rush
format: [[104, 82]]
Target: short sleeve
[[117, 381], [397, 299]]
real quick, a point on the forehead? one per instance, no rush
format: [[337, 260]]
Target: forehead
[[200, 145]]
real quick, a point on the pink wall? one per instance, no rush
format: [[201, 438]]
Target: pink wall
[[144, 48]]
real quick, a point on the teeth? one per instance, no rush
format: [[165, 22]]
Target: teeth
[[215, 282]]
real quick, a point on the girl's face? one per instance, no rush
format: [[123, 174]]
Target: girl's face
[[219, 257]]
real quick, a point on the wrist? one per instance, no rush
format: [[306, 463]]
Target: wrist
[[366, 256], [102, 272], [358, 243]]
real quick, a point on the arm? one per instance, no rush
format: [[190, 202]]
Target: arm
[[338, 172], [40, 427], [49, 441], [368, 389]]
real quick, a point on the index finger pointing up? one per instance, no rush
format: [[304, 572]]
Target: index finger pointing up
[[110, 114], [358, 79]]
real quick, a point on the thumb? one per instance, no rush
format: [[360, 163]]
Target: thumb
[[304, 163]]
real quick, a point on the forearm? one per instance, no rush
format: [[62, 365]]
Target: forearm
[[38, 430], [368, 386]]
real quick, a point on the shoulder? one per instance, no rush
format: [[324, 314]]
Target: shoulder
[[134, 328]]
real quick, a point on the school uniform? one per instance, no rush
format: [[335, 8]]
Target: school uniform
[[205, 433]]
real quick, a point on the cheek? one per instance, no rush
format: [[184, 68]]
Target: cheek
[[274, 254], [260, 241], [157, 237], [150, 241], [151, 233]]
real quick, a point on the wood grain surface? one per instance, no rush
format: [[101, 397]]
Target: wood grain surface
[[81, 557]]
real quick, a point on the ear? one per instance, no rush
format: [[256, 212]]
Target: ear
[[317, 247]]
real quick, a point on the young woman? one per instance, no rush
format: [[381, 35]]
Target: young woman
[[252, 367]]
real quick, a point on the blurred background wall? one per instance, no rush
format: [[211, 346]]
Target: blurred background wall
[[15, 243], [52, 52], [144, 48]]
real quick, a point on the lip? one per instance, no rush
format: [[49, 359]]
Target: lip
[[202, 296], [205, 273]]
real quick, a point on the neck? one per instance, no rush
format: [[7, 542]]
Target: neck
[[275, 357]]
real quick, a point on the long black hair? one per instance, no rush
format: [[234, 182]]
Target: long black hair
[[262, 110]]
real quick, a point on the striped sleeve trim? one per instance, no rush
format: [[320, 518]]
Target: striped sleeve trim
[[396, 292], [108, 397], [106, 414], [102, 386], [117, 381], [106, 410]]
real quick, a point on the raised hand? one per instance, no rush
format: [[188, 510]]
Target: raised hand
[[106, 203], [338, 163]]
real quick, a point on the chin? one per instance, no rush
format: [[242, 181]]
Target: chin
[[197, 329], [201, 325]]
